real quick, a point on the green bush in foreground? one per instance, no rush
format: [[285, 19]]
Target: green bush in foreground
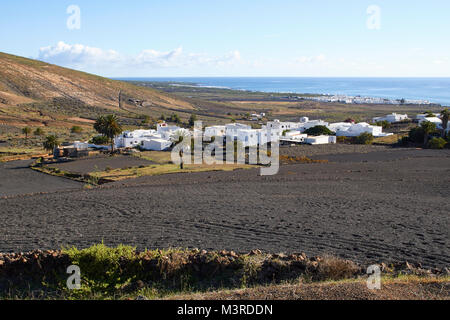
[[101, 269]]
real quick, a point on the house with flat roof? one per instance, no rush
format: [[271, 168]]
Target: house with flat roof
[[391, 118]]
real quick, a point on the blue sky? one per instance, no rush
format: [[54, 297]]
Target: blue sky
[[233, 38]]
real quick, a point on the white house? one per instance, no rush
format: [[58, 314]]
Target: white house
[[280, 126], [391, 118], [437, 121], [156, 144], [293, 136], [346, 129], [131, 139], [424, 116], [248, 137], [214, 131], [232, 129], [320, 140], [307, 124], [170, 132], [267, 135]]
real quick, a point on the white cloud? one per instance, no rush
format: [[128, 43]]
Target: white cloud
[[87, 58], [77, 54]]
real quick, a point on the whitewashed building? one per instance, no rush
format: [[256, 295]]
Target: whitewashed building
[[156, 144], [280, 126], [293, 136], [345, 129], [437, 121], [391, 118], [214, 131], [131, 139], [305, 125], [313, 140], [231, 130], [248, 137]]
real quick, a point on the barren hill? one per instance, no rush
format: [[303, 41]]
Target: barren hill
[[36, 93]]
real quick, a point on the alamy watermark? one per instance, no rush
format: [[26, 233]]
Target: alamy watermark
[[74, 280], [191, 149], [374, 17], [74, 20], [374, 279]]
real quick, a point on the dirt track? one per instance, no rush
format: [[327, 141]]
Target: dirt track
[[392, 290], [368, 211]]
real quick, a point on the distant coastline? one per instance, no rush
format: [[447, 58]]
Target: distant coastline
[[424, 90]]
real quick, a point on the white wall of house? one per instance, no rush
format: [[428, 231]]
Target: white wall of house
[[344, 129], [437, 121], [266, 135], [231, 129], [294, 135], [320, 140], [214, 131], [156, 144], [249, 137], [131, 139], [303, 126], [423, 116], [391, 118]]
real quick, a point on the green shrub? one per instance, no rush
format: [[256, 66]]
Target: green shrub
[[100, 140], [364, 138], [100, 266], [76, 129], [319, 130], [437, 143]]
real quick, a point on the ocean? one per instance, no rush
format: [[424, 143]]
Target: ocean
[[436, 90]]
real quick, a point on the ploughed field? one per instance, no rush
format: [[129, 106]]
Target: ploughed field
[[101, 163], [16, 178], [372, 205]]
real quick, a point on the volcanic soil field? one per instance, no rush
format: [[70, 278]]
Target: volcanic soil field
[[372, 205]]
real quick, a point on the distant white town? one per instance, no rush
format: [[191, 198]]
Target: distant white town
[[364, 100]]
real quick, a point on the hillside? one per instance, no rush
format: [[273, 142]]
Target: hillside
[[37, 93]]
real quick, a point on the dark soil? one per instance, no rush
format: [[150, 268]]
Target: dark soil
[[16, 178], [365, 211], [92, 164]]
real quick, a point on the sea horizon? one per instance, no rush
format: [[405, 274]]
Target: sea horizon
[[433, 89]]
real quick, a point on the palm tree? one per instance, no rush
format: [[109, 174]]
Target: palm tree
[[26, 131], [427, 128], [445, 114], [109, 127], [51, 142]]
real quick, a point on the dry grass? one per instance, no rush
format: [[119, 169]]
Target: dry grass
[[160, 157], [332, 268], [389, 140], [299, 159], [414, 288], [160, 169]]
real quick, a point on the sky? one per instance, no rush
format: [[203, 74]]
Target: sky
[[195, 38]]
